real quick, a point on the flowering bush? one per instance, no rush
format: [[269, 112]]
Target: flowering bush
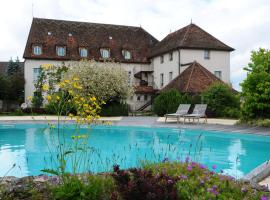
[[106, 81], [195, 181], [167, 180]]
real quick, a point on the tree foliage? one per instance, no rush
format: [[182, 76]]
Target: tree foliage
[[3, 87], [256, 87], [168, 102], [12, 83], [106, 81], [13, 67], [221, 100]]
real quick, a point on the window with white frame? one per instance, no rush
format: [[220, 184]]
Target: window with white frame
[[161, 80], [36, 73], [171, 56], [126, 54], [162, 59], [61, 51], [138, 97], [218, 74], [170, 76], [37, 50], [83, 52], [105, 53], [207, 54]]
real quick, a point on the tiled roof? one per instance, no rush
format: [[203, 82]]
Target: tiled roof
[[93, 36], [4, 67], [193, 80], [189, 37], [145, 90]]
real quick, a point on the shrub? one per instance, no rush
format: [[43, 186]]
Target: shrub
[[256, 122], [93, 188], [12, 87], [67, 106], [106, 81], [3, 87], [195, 181], [168, 102], [115, 109], [256, 87], [221, 101], [153, 181], [143, 184], [34, 111]]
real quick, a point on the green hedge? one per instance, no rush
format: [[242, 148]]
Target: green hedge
[[168, 102], [221, 101], [114, 109]]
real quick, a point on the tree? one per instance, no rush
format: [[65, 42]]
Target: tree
[[221, 100], [106, 81], [256, 87], [12, 84], [13, 67], [16, 87], [4, 85]]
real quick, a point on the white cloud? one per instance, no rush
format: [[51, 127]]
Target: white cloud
[[242, 24]]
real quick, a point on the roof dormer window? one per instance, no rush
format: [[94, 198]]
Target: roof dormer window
[[83, 52], [105, 53], [37, 50], [126, 54], [61, 51]]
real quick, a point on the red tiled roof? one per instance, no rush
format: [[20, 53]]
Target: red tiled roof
[[189, 37], [193, 80], [92, 36], [145, 90]]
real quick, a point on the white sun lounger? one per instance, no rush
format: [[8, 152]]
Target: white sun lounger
[[198, 112], [181, 111]]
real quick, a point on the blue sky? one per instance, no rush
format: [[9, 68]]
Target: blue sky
[[242, 24]]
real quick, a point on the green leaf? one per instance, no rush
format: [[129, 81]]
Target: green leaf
[[50, 171]]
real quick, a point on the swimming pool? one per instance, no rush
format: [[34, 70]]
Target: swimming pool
[[27, 146]]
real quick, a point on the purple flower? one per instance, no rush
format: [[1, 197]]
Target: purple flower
[[264, 198], [189, 168], [187, 159], [201, 182], [202, 166], [213, 190], [193, 164], [170, 181], [214, 167], [207, 178], [184, 177], [243, 189]]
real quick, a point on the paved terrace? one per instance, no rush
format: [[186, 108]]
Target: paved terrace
[[226, 125]]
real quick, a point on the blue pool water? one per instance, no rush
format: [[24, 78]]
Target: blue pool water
[[31, 148]]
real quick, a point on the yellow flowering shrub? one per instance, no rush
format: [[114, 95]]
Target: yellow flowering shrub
[[86, 107]]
